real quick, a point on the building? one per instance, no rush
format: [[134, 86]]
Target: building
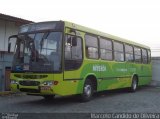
[[155, 71], [8, 26]]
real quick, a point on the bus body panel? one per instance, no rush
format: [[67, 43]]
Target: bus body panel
[[109, 74], [109, 79]]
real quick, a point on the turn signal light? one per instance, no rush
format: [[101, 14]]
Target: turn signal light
[[55, 82]]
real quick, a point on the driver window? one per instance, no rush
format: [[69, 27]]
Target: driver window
[[73, 52]]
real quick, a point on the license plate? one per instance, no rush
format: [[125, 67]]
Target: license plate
[[45, 88]]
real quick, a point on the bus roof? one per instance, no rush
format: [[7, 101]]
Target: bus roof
[[88, 30], [99, 33]]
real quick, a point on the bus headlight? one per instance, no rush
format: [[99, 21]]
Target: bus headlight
[[14, 82], [48, 83]]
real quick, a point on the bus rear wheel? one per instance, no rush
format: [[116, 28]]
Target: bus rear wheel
[[49, 97], [87, 91], [134, 84]]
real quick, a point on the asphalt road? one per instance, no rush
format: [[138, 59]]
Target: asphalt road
[[146, 99]]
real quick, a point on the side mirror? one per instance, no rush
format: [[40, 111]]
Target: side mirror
[[74, 41], [9, 47]]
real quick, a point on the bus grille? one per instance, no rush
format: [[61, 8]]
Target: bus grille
[[29, 83], [29, 90]]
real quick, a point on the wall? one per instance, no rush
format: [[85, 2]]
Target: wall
[[7, 29], [156, 71]]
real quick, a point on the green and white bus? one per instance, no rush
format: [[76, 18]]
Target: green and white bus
[[63, 58]]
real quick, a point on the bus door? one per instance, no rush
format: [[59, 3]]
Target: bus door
[[72, 62]]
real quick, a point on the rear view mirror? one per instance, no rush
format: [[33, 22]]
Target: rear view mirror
[[9, 47], [74, 41]]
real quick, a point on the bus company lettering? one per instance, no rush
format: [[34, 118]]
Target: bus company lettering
[[99, 68]]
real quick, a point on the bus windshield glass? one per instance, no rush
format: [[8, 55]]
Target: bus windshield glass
[[38, 52]]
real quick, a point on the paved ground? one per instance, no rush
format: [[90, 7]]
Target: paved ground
[[146, 99]]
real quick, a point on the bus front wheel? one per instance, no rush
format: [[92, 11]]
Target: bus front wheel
[[87, 91]]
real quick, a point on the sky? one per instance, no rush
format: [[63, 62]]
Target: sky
[[136, 20]]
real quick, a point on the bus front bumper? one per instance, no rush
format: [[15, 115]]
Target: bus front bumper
[[38, 90]]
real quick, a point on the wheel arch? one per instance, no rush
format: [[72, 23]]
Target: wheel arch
[[93, 79]]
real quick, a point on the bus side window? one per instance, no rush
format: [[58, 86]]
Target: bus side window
[[129, 53], [137, 55], [144, 56], [91, 46], [118, 51], [106, 49]]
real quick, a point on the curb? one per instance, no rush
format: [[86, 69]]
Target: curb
[[5, 93], [8, 93], [155, 83]]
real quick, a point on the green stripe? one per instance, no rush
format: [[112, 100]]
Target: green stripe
[[110, 78], [72, 79]]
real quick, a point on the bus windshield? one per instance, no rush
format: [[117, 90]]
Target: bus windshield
[[39, 52]]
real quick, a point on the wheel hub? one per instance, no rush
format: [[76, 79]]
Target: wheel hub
[[134, 84], [87, 90]]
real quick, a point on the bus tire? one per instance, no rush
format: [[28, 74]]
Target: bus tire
[[87, 91], [49, 97], [134, 84]]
